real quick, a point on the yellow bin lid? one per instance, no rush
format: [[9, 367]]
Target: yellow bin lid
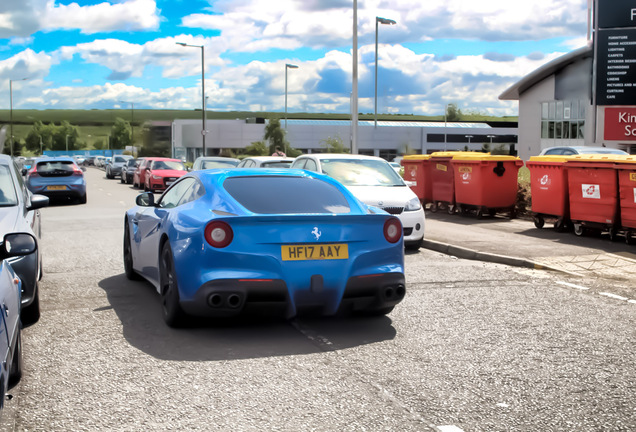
[[550, 158], [453, 154], [476, 157], [628, 160], [596, 158], [416, 157]]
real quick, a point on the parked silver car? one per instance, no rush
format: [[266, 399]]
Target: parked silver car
[[115, 165]]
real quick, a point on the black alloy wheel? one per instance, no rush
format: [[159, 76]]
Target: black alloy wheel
[[173, 315], [128, 258]]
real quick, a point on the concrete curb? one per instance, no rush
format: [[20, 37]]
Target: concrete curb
[[465, 253]]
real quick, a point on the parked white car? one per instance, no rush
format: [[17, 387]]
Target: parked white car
[[374, 182], [266, 162], [575, 150]]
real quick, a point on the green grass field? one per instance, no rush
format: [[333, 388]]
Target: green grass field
[[99, 122]]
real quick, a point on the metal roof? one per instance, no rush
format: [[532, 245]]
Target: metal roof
[[550, 68], [366, 123]]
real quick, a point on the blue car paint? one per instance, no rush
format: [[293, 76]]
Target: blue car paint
[[255, 252], [75, 184]]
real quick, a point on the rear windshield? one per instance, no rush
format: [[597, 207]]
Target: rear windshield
[[286, 195], [277, 164], [56, 168], [361, 172], [7, 190], [218, 164], [119, 159]]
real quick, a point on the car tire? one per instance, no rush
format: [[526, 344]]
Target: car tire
[[122, 180], [173, 315], [17, 363], [131, 274], [109, 175], [413, 246], [31, 314]]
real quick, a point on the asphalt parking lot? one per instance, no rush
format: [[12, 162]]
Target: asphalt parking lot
[[476, 345]]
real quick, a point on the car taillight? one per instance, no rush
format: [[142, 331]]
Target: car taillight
[[77, 171], [392, 230], [218, 234], [33, 172]]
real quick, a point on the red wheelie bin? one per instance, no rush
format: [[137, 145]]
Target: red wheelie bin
[[417, 171], [593, 193], [626, 169], [549, 189], [443, 180], [485, 183]]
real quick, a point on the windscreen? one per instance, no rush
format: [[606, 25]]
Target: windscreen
[[277, 164], [168, 165], [7, 190], [218, 164], [361, 172], [286, 195]]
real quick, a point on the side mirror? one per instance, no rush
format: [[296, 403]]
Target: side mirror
[[146, 199], [23, 171], [38, 201], [17, 244]]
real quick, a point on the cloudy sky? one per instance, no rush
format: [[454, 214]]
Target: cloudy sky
[[92, 54]]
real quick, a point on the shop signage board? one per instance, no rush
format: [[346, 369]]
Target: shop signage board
[[616, 52], [620, 124]]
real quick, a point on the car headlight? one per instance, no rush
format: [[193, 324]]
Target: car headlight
[[413, 205], [157, 177]]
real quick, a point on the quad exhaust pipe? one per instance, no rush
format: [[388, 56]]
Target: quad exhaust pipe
[[225, 300], [394, 292]]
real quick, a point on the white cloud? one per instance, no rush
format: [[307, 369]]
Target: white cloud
[[19, 18], [104, 17], [286, 24]]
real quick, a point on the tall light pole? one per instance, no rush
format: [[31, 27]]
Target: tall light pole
[[354, 83], [132, 119], [67, 143], [287, 66], [11, 111], [387, 21], [203, 131]]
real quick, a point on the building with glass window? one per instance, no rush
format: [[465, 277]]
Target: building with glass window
[[555, 106], [388, 140]]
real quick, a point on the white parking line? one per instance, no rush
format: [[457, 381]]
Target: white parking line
[[449, 428], [614, 296], [571, 285]]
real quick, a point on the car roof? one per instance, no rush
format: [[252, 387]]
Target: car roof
[[585, 149], [341, 156], [269, 158], [216, 158]]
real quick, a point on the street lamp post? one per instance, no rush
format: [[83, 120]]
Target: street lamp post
[[387, 21], [287, 66], [11, 111], [354, 83], [203, 131], [41, 146], [67, 143]]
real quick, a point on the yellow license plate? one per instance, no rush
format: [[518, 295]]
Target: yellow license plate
[[56, 188], [305, 252]]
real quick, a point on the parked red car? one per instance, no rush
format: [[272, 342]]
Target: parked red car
[[157, 174]]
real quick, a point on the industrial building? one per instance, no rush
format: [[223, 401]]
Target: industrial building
[[388, 140]]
